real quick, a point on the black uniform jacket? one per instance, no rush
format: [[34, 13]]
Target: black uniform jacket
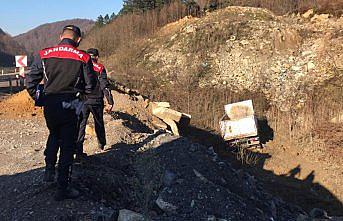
[[64, 70], [101, 88]]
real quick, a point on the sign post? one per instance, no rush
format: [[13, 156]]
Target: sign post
[[22, 71]]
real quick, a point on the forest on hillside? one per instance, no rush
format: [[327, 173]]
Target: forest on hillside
[[8, 48], [46, 35], [141, 18]]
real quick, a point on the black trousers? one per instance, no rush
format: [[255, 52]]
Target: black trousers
[[98, 114], [62, 125]]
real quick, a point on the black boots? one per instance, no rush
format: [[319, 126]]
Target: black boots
[[101, 146], [68, 193], [79, 157], [64, 191], [49, 174]]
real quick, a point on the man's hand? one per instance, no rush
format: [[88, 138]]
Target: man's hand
[[109, 108]]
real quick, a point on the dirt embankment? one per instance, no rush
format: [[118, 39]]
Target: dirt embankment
[[19, 106]]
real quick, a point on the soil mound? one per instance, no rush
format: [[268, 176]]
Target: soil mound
[[19, 105]]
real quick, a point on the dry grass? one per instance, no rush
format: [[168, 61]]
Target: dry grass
[[207, 106], [118, 36], [247, 157], [124, 30]]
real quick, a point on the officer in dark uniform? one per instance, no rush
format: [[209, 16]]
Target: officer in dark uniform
[[95, 105], [68, 75]]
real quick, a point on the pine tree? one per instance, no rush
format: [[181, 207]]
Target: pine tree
[[113, 16], [160, 3], [142, 5], [99, 21], [129, 6], [106, 19]]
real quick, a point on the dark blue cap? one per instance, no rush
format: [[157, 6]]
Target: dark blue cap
[[73, 28], [93, 52]]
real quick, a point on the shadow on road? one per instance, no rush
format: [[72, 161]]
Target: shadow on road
[[131, 122], [304, 193]]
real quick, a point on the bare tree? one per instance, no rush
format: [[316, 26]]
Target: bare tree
[[202, 4]]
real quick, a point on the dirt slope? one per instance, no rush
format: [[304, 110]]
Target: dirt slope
[[19, 106]]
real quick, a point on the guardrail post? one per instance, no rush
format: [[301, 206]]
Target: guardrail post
[[11, 89], [22, 82]]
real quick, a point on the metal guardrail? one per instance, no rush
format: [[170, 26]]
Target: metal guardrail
[[10, 77], [6, 70]]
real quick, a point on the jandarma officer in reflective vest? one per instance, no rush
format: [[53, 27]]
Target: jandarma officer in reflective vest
[[68, 75], [95, 105]]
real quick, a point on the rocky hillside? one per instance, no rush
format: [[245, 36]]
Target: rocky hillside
[[48, 34], [287, 64], [8, 49], [250, 49]]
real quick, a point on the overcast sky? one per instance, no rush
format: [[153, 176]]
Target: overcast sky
[[19, 16]]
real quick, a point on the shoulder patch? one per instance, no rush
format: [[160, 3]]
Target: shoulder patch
[[98, 67], [64, 51]]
